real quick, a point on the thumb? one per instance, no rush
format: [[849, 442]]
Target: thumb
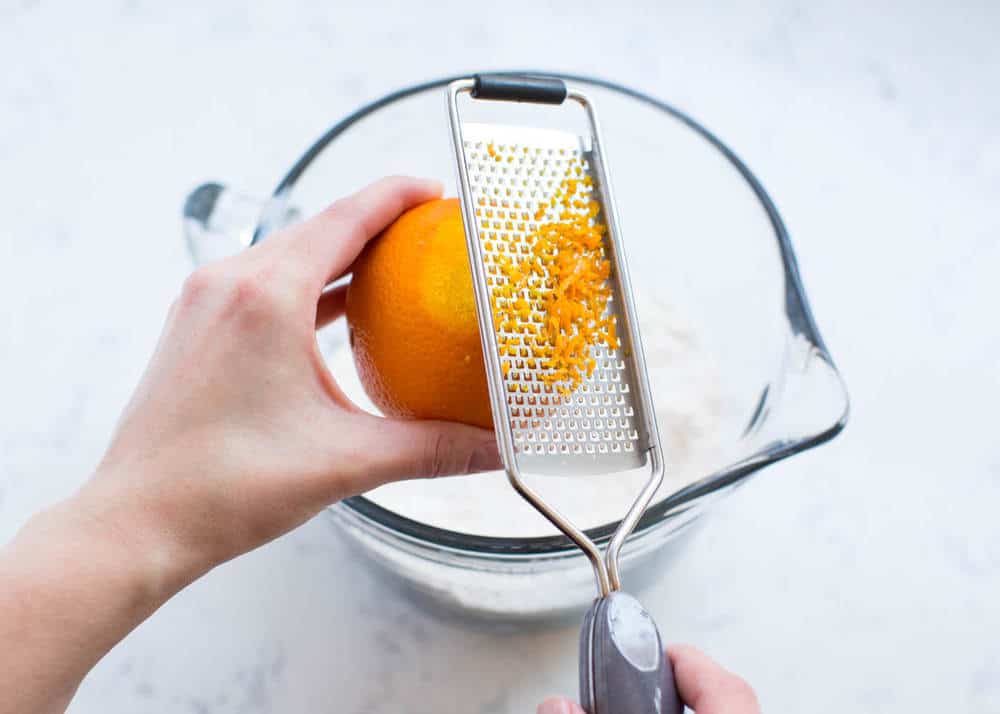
[[396, 449], [559, 705]]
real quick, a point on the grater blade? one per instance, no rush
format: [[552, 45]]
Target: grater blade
[[597, 429]]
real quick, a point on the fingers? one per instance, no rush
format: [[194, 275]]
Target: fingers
[[559, 705], [704, 685], [332, 304], [393, 449], [707, 687], [329, 242]]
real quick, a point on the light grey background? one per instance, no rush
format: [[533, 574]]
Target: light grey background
[[864, 576]]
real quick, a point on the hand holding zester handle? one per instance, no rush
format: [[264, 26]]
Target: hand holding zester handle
[[704, 685], [623, 669], [604, 423]]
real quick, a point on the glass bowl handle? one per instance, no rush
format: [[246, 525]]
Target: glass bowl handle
[[219, 221]]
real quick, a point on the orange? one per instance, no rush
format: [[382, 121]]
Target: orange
[[412, 318]]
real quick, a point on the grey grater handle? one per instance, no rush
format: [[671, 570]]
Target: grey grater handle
[[623, 668]]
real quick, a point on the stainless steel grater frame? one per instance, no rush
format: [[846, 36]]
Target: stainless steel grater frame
[[608, 424]]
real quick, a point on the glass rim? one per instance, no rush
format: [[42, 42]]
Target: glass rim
[[797, 311]]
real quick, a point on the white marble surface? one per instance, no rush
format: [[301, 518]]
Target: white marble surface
[[863, 576]]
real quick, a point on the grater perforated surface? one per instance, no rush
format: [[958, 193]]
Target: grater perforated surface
[[597, 428]]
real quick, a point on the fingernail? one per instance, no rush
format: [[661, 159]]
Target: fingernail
[[486, 457], [554, 706]]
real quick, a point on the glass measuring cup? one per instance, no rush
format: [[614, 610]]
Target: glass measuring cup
[[700, 232]]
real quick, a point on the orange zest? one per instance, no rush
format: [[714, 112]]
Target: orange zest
[[552, 306]]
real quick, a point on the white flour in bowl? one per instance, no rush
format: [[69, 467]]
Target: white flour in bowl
[[686, 395]]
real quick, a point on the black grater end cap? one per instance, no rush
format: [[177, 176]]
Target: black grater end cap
[[519, 88]]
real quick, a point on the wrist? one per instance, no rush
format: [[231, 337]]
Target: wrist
[[77, 578], [132, 536]]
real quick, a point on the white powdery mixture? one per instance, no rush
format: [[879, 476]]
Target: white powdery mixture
[[686, 394]]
